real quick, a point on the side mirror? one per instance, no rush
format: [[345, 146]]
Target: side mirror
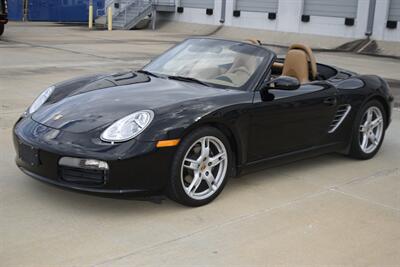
[[282, 83]]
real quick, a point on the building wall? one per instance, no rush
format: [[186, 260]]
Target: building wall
[[288, 19], [381, 17], [198, 15]]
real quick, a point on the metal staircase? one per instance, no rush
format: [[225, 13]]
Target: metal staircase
[[129, 13], [132, 14]]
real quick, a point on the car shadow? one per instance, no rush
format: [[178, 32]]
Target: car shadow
[[114, 204]]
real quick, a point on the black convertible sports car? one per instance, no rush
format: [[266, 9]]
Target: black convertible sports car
[[205, 110], [3, 15]]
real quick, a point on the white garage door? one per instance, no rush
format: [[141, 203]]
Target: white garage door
[[394, 10], [331, 8], [257, 5], [198, 3]]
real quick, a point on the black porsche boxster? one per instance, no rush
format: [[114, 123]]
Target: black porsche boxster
[[204, 111]]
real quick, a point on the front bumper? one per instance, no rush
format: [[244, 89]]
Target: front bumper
[[134, 167]]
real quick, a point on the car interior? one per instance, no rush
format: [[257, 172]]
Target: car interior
[[229, 65], [299, 63], [240, 70], [234, 68]]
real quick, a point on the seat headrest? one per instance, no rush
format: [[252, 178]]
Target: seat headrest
[[310, 56], [296, 65]]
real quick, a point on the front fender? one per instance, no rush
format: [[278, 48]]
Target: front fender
[[231, 118], [379, 89], [175, 121]]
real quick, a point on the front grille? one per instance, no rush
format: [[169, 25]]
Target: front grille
[[80, 176]]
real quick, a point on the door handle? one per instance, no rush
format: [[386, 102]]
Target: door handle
[[330, 101]]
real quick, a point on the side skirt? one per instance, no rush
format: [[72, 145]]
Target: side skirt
[[289, 157]]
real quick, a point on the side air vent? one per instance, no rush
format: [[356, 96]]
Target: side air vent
[[340, 115]]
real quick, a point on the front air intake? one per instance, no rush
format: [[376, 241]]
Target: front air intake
[[340, 115], [87, 177]]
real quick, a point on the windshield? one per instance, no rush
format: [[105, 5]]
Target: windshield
[[217, 62]]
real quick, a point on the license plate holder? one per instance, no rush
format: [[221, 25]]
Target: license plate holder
[[29, 154]]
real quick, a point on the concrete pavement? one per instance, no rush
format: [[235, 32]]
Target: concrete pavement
[[329, 210]]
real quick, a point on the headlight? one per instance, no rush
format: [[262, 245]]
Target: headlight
[[41, 99], [128, 127]]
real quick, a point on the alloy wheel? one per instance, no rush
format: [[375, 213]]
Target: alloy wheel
[[204, 168], [371, 129]]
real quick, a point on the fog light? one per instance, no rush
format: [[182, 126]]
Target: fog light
[[83, 163]]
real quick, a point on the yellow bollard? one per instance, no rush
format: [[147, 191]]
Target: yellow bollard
[[109, 18], [90, 17]]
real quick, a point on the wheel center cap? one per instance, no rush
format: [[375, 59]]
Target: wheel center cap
[[203, 167]]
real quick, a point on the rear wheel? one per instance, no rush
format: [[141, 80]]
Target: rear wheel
[[1, 29], [370, 131], [201, 167]]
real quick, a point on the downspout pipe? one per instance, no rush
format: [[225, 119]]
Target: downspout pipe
[[223, 11], [371, 18]]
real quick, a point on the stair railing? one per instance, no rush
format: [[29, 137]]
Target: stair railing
[[143, 5], [103, 11]]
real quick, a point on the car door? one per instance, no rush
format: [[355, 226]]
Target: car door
[[290, 121]]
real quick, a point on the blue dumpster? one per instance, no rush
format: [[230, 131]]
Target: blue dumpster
[[15, 9], [62, 10]]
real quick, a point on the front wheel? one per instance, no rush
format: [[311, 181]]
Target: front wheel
[[369, 131], [201, 167]]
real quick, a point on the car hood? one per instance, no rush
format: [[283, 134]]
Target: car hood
[[86, 104]]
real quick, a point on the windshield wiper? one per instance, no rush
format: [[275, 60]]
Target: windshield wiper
[[148, 73], [188, 79]]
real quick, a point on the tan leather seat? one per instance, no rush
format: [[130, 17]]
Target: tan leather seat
[[242, 68], [253, 41], [300, 63]]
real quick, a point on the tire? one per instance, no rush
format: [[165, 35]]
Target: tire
[[192, 162], [363, 147], [1, 29]]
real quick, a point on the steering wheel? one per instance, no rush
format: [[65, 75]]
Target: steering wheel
[[242, 69], [224, 78]]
